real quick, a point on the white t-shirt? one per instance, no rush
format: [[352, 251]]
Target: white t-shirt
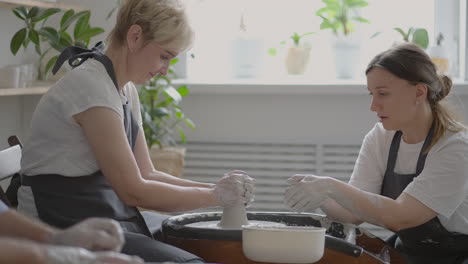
[[441, 186], [57, 144]]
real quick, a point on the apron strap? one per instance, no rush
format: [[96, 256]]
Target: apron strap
[[77, 56], [393, 153], [422, 155], [394, 147]]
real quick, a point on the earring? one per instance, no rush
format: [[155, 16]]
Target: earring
[[417, 102]]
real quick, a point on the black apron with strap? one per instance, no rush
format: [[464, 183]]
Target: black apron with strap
[[430, 242], [63, 201]]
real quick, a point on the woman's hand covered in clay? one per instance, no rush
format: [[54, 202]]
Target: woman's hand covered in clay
[[75, 255], [234, 188], [306, 192], [93, 234]]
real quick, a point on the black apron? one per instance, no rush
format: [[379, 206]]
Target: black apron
[[430, 242], [64, 201]]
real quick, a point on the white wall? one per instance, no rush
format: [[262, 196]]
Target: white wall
[[247, 117], [279, 118], [310, 117]]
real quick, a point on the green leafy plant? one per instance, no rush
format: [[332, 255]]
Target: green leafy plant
[[339, 15], [418, 36], [161, 111], [295, 38], [29, 33], [57, 38]]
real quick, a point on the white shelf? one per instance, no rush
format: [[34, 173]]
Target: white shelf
[[38, 3], [290, 87], [253, 87], [38, 90]]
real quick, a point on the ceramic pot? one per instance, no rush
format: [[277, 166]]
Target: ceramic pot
[[247, 57], [269, 244], [297, 59], [346, 52]]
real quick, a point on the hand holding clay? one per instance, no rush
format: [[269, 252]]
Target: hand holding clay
[[75, 255], [92, 234], [234, 188], [249, 189], [306, 192]]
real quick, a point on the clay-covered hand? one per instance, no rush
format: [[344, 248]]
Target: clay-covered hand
[[93, 234], [248, 184], [306, 192], [234, 188], [75, 255]]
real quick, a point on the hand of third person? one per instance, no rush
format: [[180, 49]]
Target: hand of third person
[[234, 188], [75, 255], [307, 192], [93, 234]]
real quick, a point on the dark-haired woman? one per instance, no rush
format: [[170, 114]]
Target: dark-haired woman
[[411, 175]]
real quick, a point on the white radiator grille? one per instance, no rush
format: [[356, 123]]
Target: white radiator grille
[[338, 160], [269, 164]]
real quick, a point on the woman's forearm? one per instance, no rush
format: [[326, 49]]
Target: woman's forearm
[[367, 207], [160, 196], [336, 212], [167, 178], [402, 213], [16, 251]]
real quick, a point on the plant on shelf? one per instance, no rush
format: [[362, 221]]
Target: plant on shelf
[[296, 41], [57, 38], [418, 36], [340, 15], [161, 111], [29, 33], [298, 53], [163, 121]]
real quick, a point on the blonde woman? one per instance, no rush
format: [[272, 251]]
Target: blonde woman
[[411, 175], [87, 154]]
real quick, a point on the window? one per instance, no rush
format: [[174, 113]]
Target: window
[[217, 25]]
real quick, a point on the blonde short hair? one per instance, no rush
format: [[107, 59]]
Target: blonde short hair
[[162, 21]]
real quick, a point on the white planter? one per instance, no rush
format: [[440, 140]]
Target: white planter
[[247, 57], [346, 52], [297, 59], [441, 58], [10, 76]]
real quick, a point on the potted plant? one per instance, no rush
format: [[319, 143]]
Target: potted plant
[[56, 38], [163, 121], [418, 36], [297, 56], [340, 16], [441, 55]]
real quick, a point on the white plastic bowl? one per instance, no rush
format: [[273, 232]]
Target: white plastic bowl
[[290, 244]]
